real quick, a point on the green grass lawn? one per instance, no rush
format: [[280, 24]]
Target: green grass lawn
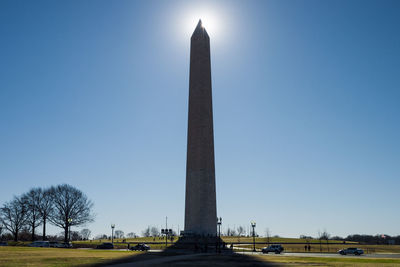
[[56, 257], [327, 261], [46, 257], [315, 244]]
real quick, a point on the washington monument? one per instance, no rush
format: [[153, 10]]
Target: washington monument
[[200, 204]]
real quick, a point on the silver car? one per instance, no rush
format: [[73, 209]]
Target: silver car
[[354, 251], [277, 249]]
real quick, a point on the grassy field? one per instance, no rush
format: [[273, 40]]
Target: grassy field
[[315, 244], [45, 257], [42, 257], [332, 248], [326, 261], [57, 257]]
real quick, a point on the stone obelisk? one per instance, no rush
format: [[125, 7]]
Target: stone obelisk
[[200, 204]]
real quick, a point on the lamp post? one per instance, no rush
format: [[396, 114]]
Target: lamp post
[[69, 229], [253, 224], [219, 222], [112, 233], [167, 232]]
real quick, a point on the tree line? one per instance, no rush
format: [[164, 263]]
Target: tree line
[[379, 239], [62, 206], [371, 239], [149, 231]]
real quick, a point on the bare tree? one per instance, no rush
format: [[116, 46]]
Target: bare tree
[[267, 234], [74, 235], [85, 233], [45, 208], [119, 234], [101, 236], [240, 230], [320, 240], [71, 208], [230, 232], [13, 216], [146, 232], [131, 235], [33, 218], [325, 236], [25, 233], [154, 231]]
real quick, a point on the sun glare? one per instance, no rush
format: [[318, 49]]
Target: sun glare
[[215, 19], [208, 18]]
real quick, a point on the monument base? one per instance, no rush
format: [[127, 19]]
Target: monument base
[[201, 244]]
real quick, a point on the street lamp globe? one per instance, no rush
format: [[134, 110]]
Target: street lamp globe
[[112, 233], [253, 224]]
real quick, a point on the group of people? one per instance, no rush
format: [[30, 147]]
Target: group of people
[[307, 248]]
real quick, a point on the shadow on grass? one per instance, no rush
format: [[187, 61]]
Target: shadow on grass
[[190, 252]]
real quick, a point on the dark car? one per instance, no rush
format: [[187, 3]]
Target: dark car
[[54, 244], [3, 244], [40, 244], [65, 245], [105, 246], [355, 251], [277, 249], [142, 247]]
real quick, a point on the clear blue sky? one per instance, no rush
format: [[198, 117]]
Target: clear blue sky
[[306, 110]]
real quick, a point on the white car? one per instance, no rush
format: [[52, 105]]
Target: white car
[[40, 244], [355, 251]]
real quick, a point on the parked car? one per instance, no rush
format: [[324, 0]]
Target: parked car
[[105, 246], [277, 249], [54, 244], [355, 251], [142, 247], [2, 244], [65, 245], [40, 244]]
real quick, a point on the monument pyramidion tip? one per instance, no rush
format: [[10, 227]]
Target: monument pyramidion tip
[[200, 30]]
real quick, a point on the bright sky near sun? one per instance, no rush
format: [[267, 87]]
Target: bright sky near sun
[[306, 110]]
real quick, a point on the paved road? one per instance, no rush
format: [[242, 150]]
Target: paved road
[[327, 255]]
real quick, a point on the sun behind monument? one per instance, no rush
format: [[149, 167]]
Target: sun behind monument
[[209, 21]]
